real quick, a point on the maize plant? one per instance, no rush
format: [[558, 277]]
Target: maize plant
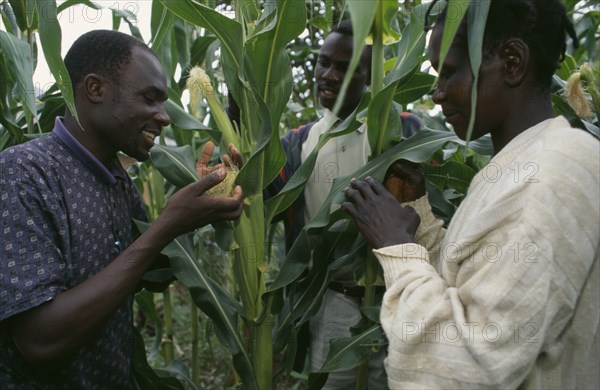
[[258, 317], [257, 71]]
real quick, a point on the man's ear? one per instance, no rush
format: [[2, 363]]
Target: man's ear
[[93, 88], [515, 53]]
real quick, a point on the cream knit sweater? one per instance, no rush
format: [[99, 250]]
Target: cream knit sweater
[[509, 296]]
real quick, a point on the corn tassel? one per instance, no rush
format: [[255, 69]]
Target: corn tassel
[[578, 91], [200, 87]]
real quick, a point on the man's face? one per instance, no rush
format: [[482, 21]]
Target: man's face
[[332, 63], [135, 111]]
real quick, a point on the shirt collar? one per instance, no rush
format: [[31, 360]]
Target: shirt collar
[[329, 117], [108, 174]]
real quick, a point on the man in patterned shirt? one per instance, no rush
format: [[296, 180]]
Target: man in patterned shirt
[[68, 261]]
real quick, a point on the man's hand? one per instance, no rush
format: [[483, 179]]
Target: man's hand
[[378, 215], [202, 167], [53, 331], [190, 208], [405, 181]]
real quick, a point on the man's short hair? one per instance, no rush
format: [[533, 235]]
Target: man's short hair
[[344, 27], [104, 52]]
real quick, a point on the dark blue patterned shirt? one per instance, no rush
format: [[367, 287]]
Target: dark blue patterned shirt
[[65, 216]]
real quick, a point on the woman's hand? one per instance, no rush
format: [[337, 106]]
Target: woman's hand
[[378, 215]]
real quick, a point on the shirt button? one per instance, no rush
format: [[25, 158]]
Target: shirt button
[[343, 149]]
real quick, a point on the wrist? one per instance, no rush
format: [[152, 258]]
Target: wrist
[[398, 240], [159, 235]]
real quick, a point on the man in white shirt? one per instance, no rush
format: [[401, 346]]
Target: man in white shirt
[[340, 156]]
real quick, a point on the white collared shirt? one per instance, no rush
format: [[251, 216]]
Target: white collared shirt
[[340, 156]]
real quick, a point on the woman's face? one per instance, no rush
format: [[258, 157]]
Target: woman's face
[[453, 91]]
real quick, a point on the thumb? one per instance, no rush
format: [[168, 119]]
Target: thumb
[[211, 180]]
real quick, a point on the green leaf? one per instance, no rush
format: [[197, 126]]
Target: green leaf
[[224, 235], [212, 299], [13, 131], [176, 369], [18, 60], [414, 88], [418, 148], [249, 232], [321, 22], [8, 18], [561, 107], [181, 118], [317, 380], [441, 206], [389, 28], [567, 67], [32, 16], [215, 302], [228, 31], [267, 158], [161, 24], [410, 47], [372, 313], [71, 3], [339, 246], [52, 107], [483, 145], [452, 174], [250, 9], [478, 12], [19, 8], [145, 301], [129, 17], [592, 128], [362, 14], [176, 164], [269, 60], [379, 118], [50, 37], [199, 49], [143, 376], [186, 121], [180, 36], [349, 352], [295, 184], [454, 16], [4, 138], [264, 88]]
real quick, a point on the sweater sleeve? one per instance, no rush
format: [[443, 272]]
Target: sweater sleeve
[[431, 230], [509, 284]]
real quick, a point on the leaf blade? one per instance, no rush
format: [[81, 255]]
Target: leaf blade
[[50, 37]]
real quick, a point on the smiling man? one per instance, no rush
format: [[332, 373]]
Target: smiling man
[[341, 156], [69, 264]]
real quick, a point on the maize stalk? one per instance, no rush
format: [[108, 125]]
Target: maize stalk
[[249, 232]]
